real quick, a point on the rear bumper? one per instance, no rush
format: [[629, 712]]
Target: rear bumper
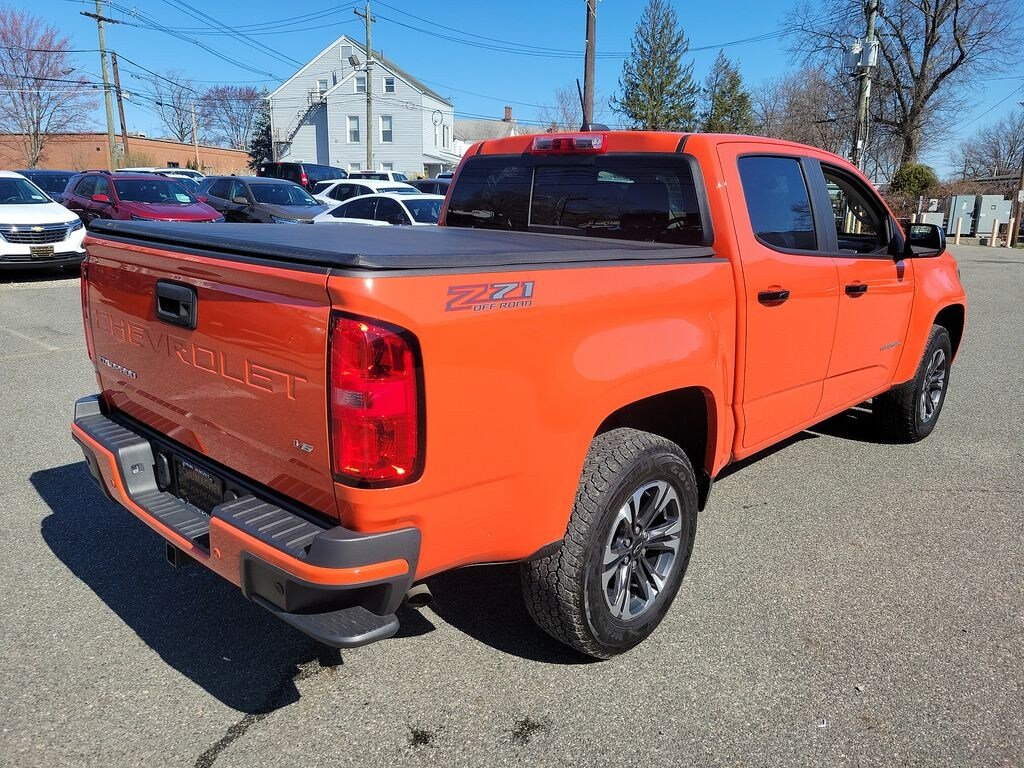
[[339, 586]]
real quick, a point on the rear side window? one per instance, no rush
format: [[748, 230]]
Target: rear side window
[[86, 186], [778, 202], [220, 189], [342, 192], [357, 209], [631, 197]]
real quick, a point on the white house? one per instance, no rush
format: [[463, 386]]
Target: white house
[[318, 115]]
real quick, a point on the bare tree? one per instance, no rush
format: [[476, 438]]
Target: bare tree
[[806, 106], [994, 150], [927, 48], [175, 97], [229, 113], [39, 95], [565, 113]]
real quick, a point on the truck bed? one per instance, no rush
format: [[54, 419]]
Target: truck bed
[[357, 247]]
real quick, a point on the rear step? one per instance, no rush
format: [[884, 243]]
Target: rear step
[[136, 456], [345, 628]]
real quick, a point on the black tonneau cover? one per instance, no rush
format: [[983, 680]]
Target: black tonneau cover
[[356, 246]]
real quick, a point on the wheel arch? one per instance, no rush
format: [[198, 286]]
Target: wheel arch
[[687, 416], [952, 318]]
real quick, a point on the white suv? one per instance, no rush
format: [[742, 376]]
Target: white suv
[[34, 230]]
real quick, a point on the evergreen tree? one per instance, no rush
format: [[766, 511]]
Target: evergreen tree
[[656, 92], [261, 146], [728, 106]]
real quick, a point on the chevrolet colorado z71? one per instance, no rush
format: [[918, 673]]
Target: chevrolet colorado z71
[[326, 416]]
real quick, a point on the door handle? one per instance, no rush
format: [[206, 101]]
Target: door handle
[[856, 289], [773, 298], [176, 304]]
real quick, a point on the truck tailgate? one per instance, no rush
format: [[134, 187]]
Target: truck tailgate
[[245, 385]]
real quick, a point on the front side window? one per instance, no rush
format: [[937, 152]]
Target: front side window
[[353, 129], [102, 186], [360, 83], [778, 202], [860, 222], [389, 85], [238, 190], [424, 211], [341, 192], [390, 211], [50, 182], [386, 133], [630, 197]]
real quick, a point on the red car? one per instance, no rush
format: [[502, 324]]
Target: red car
[[133, 196]]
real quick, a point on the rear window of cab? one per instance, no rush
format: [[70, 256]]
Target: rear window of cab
[[650, 198]]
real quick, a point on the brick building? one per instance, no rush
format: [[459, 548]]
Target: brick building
[[81, 151]]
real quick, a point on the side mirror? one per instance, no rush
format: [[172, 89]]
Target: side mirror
[[202, 198], [239, 200], [925, 241], [100, 198]]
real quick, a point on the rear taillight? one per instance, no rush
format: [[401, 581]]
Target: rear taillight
[[376, 426], [304, 179], [85, 308]]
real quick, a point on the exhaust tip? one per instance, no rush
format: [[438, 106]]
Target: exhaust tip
[[418, 596]]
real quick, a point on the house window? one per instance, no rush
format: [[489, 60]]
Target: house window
[[387, 166], [321, 85], [346, 51], [437, 135], [386, 133], [360, 83], [353, 129], [355, 166], [447, 135], [389, 85]]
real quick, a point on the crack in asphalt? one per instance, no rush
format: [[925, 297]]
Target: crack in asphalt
[[278, 698]]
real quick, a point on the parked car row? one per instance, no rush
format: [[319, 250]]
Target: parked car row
[[35, 230]]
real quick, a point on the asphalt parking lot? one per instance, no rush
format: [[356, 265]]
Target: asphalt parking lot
[[849, 603]]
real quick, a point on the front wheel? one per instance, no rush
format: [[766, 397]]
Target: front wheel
[[626, 548], [908, 413]]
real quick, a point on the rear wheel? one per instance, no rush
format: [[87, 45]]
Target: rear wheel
[[908, 413], [626, 548]]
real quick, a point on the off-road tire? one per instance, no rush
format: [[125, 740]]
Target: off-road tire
[[563, 591], [898, 411]]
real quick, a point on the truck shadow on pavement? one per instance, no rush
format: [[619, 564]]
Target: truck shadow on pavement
[[194, 620]]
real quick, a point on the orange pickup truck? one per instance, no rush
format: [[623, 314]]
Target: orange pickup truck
[[327, 416]]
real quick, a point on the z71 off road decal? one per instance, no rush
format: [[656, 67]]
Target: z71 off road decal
[[488, 296]]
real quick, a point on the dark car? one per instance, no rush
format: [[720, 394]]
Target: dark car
[[52, 183], [432, 186], [259, 199], [304, 174], [133, 197]]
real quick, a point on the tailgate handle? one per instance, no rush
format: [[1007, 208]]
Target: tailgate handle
[[176, 304]]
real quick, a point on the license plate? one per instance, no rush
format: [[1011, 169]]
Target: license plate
[[197, 486], [41, 251]]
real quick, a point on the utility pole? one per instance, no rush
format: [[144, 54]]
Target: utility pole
[[100, 20], [588, 65], [195, 134], [865, 65], [1020, 199], [120, 105], [370, 18]]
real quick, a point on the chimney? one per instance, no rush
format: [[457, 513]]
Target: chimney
[[508, 115]]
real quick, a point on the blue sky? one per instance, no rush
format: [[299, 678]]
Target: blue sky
[[480, 75]]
